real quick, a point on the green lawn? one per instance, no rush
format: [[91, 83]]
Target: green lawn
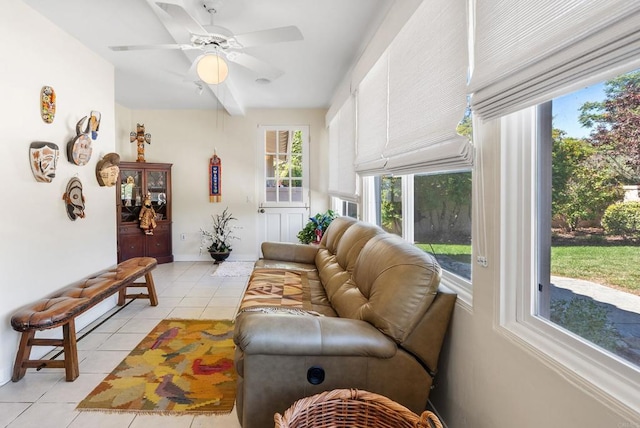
[[617, 266], [459, 252]]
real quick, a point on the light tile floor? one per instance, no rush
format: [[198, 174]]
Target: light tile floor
[[185, 290]]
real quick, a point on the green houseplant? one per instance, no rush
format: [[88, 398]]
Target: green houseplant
[[315, 227], [217, 238]]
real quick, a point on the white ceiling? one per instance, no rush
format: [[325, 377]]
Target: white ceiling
[[335, 34]]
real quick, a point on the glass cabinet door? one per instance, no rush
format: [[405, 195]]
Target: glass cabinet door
[[131, 193], [156, 182]]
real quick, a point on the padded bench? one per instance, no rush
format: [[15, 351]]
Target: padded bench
[[63, 306]]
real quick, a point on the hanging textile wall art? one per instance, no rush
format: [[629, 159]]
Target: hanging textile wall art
[[215, 179]]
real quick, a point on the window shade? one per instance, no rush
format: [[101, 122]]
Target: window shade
[[455, 154], [342, 175], [428, 66], [372, 118], [411, 101], [530, 52]]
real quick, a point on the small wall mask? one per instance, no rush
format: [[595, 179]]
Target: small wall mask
[[79, 148], [74, 199], [94, 124], [107, 170], [47, 104], [43, 157]]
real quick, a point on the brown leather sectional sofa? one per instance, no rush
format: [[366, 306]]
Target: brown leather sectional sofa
[[376, 321]]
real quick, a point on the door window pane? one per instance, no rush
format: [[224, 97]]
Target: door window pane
[[283, 162]]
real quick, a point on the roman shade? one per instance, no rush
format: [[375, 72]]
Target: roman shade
[[372, 117], [342, 144], [530, 52], [413, 98], [428, 69]]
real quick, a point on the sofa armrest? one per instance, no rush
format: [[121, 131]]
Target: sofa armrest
[[275, 334], [289, 252]]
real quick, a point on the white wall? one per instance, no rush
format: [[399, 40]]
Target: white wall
[[41, 248], [187, 139]]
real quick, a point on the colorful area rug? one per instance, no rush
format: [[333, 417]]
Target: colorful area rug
[[182, 366], [231, 269]]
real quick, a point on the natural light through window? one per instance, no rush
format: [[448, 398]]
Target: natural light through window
[[594, 283], [442, 219]]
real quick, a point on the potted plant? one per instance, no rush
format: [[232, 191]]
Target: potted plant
[[315, 227], [217, 239]]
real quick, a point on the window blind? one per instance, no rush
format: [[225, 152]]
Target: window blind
[[530, 52], [411, 101], [372, 118], [342, 175], [428, 66]]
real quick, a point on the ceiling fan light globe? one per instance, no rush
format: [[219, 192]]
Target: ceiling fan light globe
[[212, 69]]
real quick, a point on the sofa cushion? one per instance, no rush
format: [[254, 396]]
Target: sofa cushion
[[392, 286], [334, 232], [335, 270]]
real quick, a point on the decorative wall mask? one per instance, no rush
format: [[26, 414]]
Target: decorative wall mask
[[94, 124], [79, 149], [48, 104], [140, 138], [107, 170], [74, 199], [43, 157]]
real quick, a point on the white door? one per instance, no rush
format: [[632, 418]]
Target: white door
[[284, 202]]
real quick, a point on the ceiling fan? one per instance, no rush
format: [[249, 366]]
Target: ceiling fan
[[221, 43]]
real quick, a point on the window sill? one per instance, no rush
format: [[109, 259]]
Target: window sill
[[461, 287], [610, 380]]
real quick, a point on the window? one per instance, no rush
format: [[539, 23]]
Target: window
[[442, 219], [283, 166], [389, 203], [433, 211], [344, 207], [532, 309], [591, 287]]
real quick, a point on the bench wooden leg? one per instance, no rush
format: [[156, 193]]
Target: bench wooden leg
[[68, 343], [123, 294], [70, 346], [24, 350], [151, 289]]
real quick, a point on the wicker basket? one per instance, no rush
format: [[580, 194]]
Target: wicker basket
[[352, 408]]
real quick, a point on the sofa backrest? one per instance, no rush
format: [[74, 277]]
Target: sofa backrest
[[392, 285], [336, 269], [334, 232]]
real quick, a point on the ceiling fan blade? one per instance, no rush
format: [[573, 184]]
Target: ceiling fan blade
[[183, 18], [152, 47], [192, 75], [274, 35], [261, 68]]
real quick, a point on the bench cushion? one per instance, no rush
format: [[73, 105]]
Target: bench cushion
[[72, 300]]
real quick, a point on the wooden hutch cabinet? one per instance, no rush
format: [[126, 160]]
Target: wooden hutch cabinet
[[136, 179]]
